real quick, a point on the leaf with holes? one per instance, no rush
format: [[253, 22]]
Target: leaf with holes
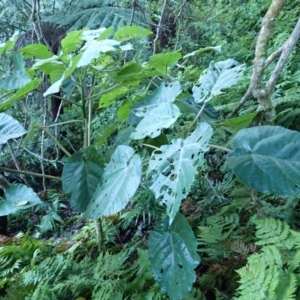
[[163, 116], [215, 78], [173, 169], [81, 176], [9, 128], [18, 197], [267, 158], [173, 256], [121, 179]]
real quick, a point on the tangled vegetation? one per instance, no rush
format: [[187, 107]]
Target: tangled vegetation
[[149, 150]]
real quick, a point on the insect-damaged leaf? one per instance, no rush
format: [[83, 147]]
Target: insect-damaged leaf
[[173, 168]]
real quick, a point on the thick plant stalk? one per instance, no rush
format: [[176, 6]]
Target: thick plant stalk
[[98, 222], [258, 88]]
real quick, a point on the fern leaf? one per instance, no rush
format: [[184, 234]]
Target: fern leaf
[[271, 231], [258, 280], [287, 288]]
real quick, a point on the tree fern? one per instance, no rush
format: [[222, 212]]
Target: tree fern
[[93, 14]]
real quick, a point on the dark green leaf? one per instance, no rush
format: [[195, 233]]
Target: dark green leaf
[[233, 125], [134, 71], [267, 158], [173, 256], [81, 176]]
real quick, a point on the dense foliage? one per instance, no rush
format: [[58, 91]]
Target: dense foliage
[[149, 150]]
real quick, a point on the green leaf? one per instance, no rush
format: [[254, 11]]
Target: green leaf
[[23, 91], [215, 78], [10, 128], [162, 116], [110, 97], [72, 41], [134, 71], [173, 256], [131, 32], [161, 62], [164, 93], [122, 138], [39, 51], [267, 158], [47, 65], [19, 77], [18, 197], [189, 105], [233, 125], [173, 169], [121, 179], [201, 50], [108, 131], [106, 33], [81, 176], [9, 45]]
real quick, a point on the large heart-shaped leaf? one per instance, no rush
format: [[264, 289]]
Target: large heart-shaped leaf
[[173, 256], [18, 197], [81, 176], [10, 128], [267, 158], [163, 116], [121, 179], [215, 78], [173, 168]]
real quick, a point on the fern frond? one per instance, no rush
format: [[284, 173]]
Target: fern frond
[[258, 280], [241, 247], [274, 232], [271, 231], [287, 287]]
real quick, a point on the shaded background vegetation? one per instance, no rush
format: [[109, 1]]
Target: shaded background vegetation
[[219, 208]]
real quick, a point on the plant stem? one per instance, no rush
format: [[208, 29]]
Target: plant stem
[[13, 171], [219, 147], [99, 233], [58, 144]]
